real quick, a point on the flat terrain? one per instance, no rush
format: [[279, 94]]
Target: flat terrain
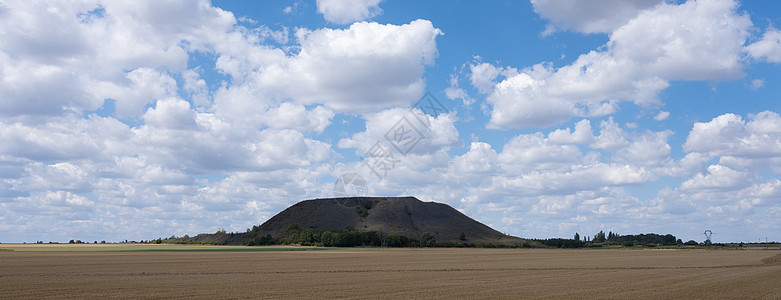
[[214, 272]]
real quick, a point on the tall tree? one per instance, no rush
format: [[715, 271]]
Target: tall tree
[[600, 237]]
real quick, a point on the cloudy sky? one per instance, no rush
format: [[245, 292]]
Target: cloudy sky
[[144, 119]]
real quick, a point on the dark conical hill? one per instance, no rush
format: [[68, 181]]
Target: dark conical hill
[[405, 216]]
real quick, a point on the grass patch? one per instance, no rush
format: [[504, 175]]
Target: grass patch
[[224, 249], [154, 248]]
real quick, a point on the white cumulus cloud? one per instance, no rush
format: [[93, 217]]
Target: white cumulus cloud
[[589, 16], [696, 40], [348, 11], [364, 68], [768, 48], [662, 115], [729, 134]]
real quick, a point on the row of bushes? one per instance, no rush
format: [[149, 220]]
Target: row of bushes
[[74, 242], [346, 238], [562, 243], [648, 240], [645, 239], [295, 234]]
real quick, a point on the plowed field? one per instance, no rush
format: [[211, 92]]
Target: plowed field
[[390, 273]]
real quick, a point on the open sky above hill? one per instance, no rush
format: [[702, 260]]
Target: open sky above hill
[[142, 119]]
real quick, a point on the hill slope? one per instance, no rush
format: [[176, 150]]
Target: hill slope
[[404, 216]]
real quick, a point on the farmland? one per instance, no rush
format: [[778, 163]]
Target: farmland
[[131, 271]]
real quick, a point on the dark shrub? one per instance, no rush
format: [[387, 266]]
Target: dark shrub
[[428, 239]]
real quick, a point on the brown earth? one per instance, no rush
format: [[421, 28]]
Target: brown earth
[[394, 273]]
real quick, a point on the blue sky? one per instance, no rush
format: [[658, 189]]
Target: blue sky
[[155, 118]]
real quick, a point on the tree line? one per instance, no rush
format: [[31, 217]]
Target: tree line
[[601, 239], [295, 234]]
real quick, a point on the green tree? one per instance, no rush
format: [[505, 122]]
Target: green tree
[[427, 239], [327, 239], [399, 241], [561, 243], [462, 236], [668, 239], [265, 240], [600, 237], [577, 236]]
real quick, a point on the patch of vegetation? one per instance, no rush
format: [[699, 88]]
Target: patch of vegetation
[[428, 239], [612, 239], [156, 248], [219, 249], [645, 239], [402, 241], [561, 243], [295, 234], [261, 240]]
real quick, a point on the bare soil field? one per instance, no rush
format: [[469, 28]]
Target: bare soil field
[[390, 273]]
